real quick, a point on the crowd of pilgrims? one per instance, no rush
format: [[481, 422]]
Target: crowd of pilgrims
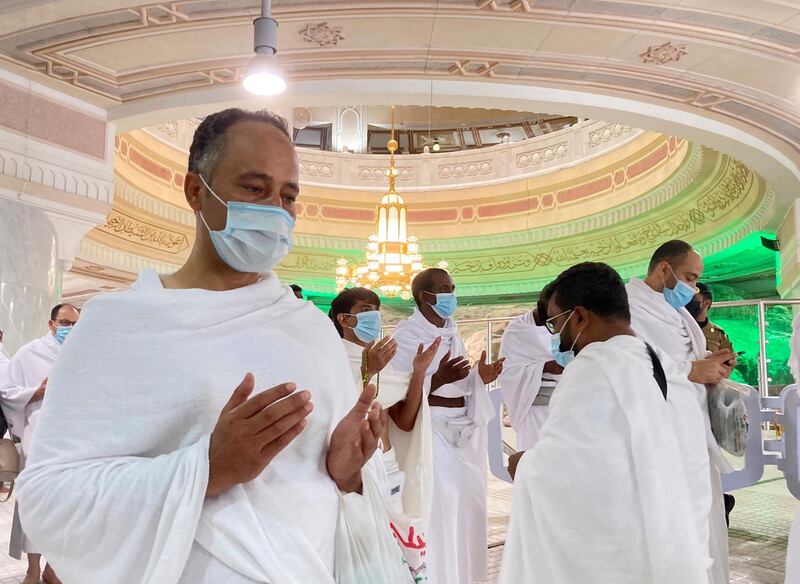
[[236, 434]]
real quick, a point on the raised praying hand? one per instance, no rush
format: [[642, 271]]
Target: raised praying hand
[[450, 371], [377, 355], [251, 431], [354, 441], [489, 371], [424, 357]]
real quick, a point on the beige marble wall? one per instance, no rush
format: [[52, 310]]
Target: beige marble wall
[[30, 277]]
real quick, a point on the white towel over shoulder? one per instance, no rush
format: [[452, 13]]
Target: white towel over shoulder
[[114, 490]]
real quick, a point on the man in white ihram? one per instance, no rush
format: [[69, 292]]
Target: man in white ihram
[[603, 497], [159, 456], [407, 450], [658, 317], [530, 373], [21, 399], [5, 362], [460, 411]]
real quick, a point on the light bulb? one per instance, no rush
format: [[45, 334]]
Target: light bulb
[[436, 147], [264, 75]]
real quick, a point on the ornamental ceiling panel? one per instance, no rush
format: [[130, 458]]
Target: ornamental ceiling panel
[[722, 206], [104, 51]]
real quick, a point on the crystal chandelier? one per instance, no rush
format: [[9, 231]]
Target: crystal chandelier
[[393, 257]]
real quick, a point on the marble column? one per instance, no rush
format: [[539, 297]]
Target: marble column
[[56, 183], [30, 272]]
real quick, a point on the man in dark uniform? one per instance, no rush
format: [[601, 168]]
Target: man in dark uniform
[[698, 307], [716, 339]]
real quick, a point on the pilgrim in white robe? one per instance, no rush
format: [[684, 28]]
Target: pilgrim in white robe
[[115, 486], [412, 452], [457, 529], [30, 365], [677, 334], [526, 387], [5, 363], [793, 549], [603, 496]]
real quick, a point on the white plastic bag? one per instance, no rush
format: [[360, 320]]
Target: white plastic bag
[[412, 540], [407, 529], [365, 551], [728, 413]]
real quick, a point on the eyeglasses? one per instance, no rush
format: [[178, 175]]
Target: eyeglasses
[[550, 322]]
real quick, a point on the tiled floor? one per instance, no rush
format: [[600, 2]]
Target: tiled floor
[[758, 533], [759, 529]]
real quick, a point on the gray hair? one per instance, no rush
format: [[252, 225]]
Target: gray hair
[[208, 144]]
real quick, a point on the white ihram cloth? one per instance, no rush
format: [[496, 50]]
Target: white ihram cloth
[[5, 364], [457, 529], [526, 348], [603, 497], [413, 451], [115, 486], [29, 366], [675, 332], [793, 551]]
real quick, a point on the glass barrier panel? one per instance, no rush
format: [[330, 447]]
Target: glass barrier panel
[[740, 323]]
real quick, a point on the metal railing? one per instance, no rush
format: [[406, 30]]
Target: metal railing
[[763, 360], [760, 305]]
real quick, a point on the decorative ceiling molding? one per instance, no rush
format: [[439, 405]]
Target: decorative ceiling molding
[[461, 170], [712, 200], [547, 154], [681, 181], [607, 133], [152, 204], [497, 164], [322, 34], [622, 174], [104, 255], [379, 174], [68, 50], [663, 54], [314, 169]]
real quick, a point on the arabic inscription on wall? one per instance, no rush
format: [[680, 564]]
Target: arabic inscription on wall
[[137, 231]]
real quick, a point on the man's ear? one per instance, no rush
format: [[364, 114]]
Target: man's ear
[[193, 190], [581, 317]]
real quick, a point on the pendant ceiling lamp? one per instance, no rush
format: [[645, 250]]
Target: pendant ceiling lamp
[[264, 74]]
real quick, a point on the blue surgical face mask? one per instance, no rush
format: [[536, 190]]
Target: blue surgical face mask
[[61, 333], [368, 327], [256, 237], [561, 357], [680, 295], [446, 304]]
